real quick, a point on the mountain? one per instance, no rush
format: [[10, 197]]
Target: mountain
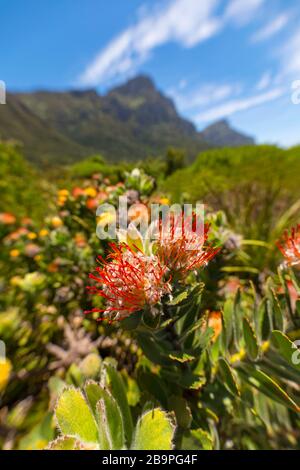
[[131, 122], [221, 134]]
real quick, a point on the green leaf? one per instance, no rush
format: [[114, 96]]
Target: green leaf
[[237, 325], [228, 313], [65, 443], [108, 416], [266, 385], [191, 381], [111, 427], [154, 385], [132, 322], [117, 388], [178, 299], [227, 373], [286, 348], [154, 431], [277, 312], [250, 340], [197, 439], [181, 357], [182, 411], [152, 350], [74, 417]]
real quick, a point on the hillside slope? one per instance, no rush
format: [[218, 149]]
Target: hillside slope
[[131, 122]]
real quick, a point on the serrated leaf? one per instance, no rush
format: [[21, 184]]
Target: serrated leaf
[[181, 357], [111, 427], [65, 443], [74, 416], [191, 381], [108, 416], [250, 340], [179, 298], [154, 431], [197, 439], [287, 348], [117, 387], [230, 381]]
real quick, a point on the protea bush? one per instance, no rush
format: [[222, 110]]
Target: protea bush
[[174, 341]]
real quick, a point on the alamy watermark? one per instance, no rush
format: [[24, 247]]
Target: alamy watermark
[[2, 92], [169, 221], [296, 92]]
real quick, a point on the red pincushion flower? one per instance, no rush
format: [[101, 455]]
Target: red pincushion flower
[[290, 246], [182, 246], [129, 281]]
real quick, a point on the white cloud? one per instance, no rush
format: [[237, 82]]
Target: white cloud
[[290, 56], [204, 95], [187, 22], [264, 82], [271, 28], [234, 106], [242, 11]]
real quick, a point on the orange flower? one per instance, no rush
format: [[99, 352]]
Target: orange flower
[[129, 281], [7, 219], [138, 212], [77, 192], [80, 240], [92, 203], [215, 322], [181, 247], [293, 293], [14, 253], [63, 193], [290, 246], [56, 222]]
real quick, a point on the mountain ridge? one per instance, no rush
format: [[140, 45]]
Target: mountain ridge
[[130, 122]]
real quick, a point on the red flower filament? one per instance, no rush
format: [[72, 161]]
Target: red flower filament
[[290, 246], [129, 282], [182, 246]]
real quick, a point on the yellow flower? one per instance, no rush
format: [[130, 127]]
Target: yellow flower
[[61, 201], [38, 257], [63, 193], [106, 218], [5, 369], [15, 280], [31, 235], [238, 356], [44, 232], [164, 200], [90, 192], [56, 222], [14, 253]]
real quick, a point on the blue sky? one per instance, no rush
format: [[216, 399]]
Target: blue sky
[[235, 59]]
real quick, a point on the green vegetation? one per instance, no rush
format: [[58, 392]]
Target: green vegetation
[[253, 185], [204, 357], [22, 191]]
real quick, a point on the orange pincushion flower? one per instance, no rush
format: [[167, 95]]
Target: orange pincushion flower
[[183, 247], [129, 281], [290, 246], [215, 322], [7, 219]]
